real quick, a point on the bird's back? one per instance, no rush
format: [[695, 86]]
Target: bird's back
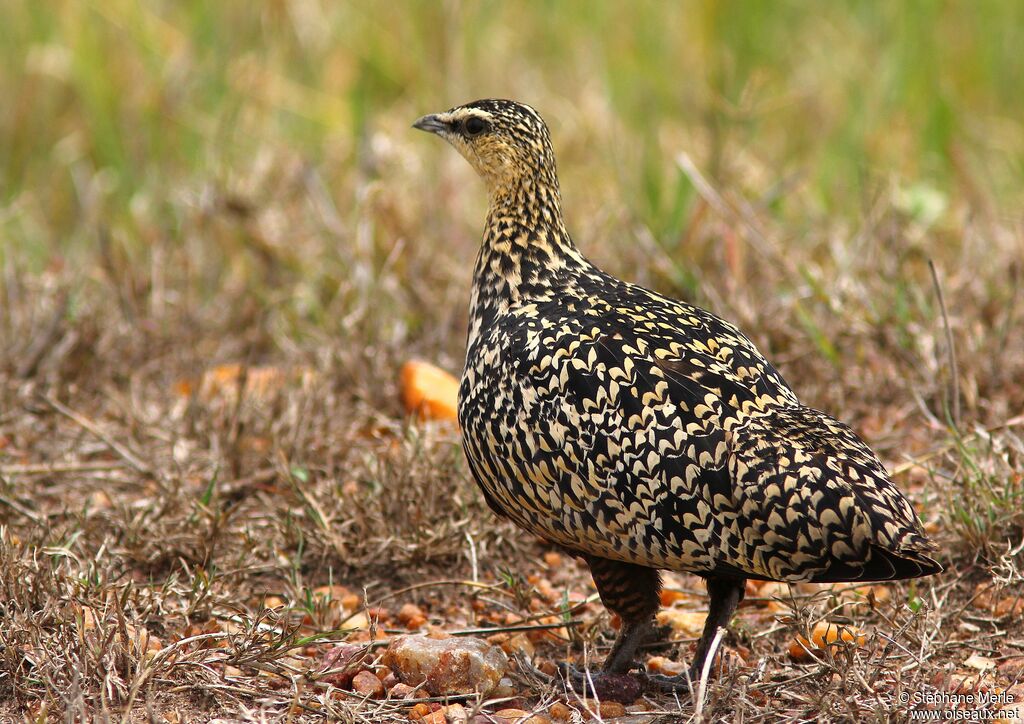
[[622, 424]]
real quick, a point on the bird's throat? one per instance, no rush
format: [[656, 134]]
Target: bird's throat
[[526, 251]]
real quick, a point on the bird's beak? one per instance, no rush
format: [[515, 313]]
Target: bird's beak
[[431, 123]]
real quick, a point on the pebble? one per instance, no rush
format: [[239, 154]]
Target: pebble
[[341, 660], [553, 559], [463, 665], [518, 644], [366, 683], [666, 666], [825, 634], [560, 711], [402, 691], [688, 624], [411, 616], [456, 714], [609, 709]]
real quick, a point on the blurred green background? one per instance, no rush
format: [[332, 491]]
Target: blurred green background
[[139, 99]]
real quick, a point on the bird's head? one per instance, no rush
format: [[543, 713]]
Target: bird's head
[[505, 141]]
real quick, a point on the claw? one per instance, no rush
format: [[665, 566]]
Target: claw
[[682, 684], [624, 688]]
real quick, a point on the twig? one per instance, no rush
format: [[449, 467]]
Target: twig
[[472, 557], [719, 204], [19, 508], [706, 672], [571, 623], [49, 468], [954, 373], [128, 455]]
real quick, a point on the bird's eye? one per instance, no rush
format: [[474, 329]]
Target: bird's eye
[[475, 126]]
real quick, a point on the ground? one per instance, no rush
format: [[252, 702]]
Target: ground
[[217, 257]]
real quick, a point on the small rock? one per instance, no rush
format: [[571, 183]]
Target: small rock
[[559, 635], [447, 666], [688, 624], [378, 614], [428, 391], [670, 596], [662, 665], [825, 634], [504, 688], [560, 711], [411, 616], [456, 714], [778, 593], [434, 717], [342, 661], [331, 593], [427, 713], [402, 691], [609, 709], [518, 644], [981, 663], [366, 683], [355, 622], [547, 666]]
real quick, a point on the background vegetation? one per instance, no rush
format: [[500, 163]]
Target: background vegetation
[[190, 184]]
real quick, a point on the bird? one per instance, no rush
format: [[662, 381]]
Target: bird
[[643, 433]]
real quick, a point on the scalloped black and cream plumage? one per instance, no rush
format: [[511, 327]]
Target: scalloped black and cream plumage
[[641, 432]]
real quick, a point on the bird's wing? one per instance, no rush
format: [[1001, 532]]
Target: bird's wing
[[812, 502], [717, 471], [800, 495]]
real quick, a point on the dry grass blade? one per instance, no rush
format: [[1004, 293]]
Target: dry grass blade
[[128, 456], [954, 372]]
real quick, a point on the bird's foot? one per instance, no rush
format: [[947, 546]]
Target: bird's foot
[[683, 683], [623, 687]]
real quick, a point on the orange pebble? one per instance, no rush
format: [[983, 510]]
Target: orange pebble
[[825, 634], [670, 596], [428, 391]]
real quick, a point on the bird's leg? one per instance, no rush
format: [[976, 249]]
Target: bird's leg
[[632, 592], [725, 595]]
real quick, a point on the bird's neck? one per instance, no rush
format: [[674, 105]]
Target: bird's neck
[[526, 250]]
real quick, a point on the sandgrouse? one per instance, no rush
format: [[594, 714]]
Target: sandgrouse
[[644, 433]]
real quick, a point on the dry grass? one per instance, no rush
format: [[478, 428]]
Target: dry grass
[[137, 501]]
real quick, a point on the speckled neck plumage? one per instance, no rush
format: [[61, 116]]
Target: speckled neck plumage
[[526, 247]]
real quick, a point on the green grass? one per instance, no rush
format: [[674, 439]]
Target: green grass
[[134, 100]]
